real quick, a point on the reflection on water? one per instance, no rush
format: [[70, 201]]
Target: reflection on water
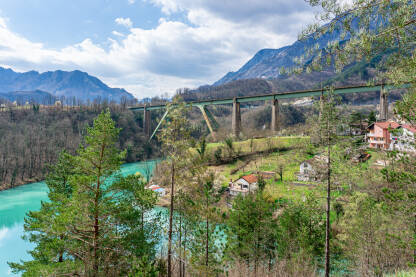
[[15, 203]]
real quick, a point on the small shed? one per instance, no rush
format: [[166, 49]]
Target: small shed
[[248, 181], [243, 185], [312, 169]]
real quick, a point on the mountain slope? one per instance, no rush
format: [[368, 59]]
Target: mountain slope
[[267, 63], [59, 83]]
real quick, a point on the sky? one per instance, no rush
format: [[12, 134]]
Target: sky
[[148, 47]]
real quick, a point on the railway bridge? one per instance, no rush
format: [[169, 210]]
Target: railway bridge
[[273, 97]]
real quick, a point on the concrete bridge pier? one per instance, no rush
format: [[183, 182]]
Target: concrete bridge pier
[[384, 105], [236, 120], [146, 122], [275, 124]]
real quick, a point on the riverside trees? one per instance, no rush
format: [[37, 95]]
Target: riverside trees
[[30, 140], [93, 224]]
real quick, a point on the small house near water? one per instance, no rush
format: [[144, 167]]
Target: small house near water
[[243, 185], [160, 191]]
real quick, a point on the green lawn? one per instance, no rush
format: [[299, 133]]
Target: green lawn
[[291, 155]]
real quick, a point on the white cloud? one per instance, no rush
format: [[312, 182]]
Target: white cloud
[[126, 22], [117, 34], [174, 54], [131, 2]]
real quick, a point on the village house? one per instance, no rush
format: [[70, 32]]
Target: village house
[[243, 185], [378, 135], [403, 139], [160, 191], [390, 135], [312, 169]]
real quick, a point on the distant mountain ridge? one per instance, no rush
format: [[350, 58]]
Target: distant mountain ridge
[[267, 63], [60, 83]]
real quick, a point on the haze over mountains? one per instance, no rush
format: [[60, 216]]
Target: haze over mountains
[[57, 83]]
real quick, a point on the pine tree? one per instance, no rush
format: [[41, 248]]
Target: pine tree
[[93, 224], [175, 138], [206, 233], [250, 230], [329, 120]]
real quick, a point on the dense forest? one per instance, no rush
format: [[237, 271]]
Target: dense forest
[[31, 139]]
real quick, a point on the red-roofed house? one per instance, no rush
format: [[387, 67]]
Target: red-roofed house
[[244, 185], [378, 135]]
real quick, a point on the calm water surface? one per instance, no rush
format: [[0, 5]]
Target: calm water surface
[[15, 203]]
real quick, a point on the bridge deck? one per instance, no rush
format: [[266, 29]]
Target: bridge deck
[[282, 95]]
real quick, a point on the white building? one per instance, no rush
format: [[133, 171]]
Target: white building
[[312, 169], [244, 185], [403, 139]]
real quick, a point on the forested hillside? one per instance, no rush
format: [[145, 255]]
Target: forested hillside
[[30, 140]]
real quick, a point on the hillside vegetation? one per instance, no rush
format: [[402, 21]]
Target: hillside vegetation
[[31, 139]]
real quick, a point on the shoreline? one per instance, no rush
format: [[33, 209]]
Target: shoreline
[[22, 183]]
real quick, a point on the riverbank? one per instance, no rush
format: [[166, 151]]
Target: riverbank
[[16, 202], [20, 183]]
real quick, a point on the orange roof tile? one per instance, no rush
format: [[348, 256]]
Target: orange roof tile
[[250, 178], [387, 124]]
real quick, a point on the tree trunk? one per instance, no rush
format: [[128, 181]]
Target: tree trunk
[[414, 234], [184, 252], [328, 203], [172, 186], [206, 242], [180, 245]]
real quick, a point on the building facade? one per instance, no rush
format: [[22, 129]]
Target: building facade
[[378, 134]]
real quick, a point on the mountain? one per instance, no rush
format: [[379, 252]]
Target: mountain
[[22, 97], [267, 63], [60, 83]]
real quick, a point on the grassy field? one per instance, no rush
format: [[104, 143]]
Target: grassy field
[[291, 152], [260, 144]]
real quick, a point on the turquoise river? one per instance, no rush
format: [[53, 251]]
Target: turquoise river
[[16, 202]]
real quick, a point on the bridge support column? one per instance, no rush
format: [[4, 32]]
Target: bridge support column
[[236, 120], [146, 122], [384, 105], [275, 126], [207, 116]]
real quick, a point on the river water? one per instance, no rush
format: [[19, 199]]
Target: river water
[[16, 202]]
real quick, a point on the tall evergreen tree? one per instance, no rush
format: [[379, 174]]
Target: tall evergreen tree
[[250, 230], [175, 138], [93, 214]]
